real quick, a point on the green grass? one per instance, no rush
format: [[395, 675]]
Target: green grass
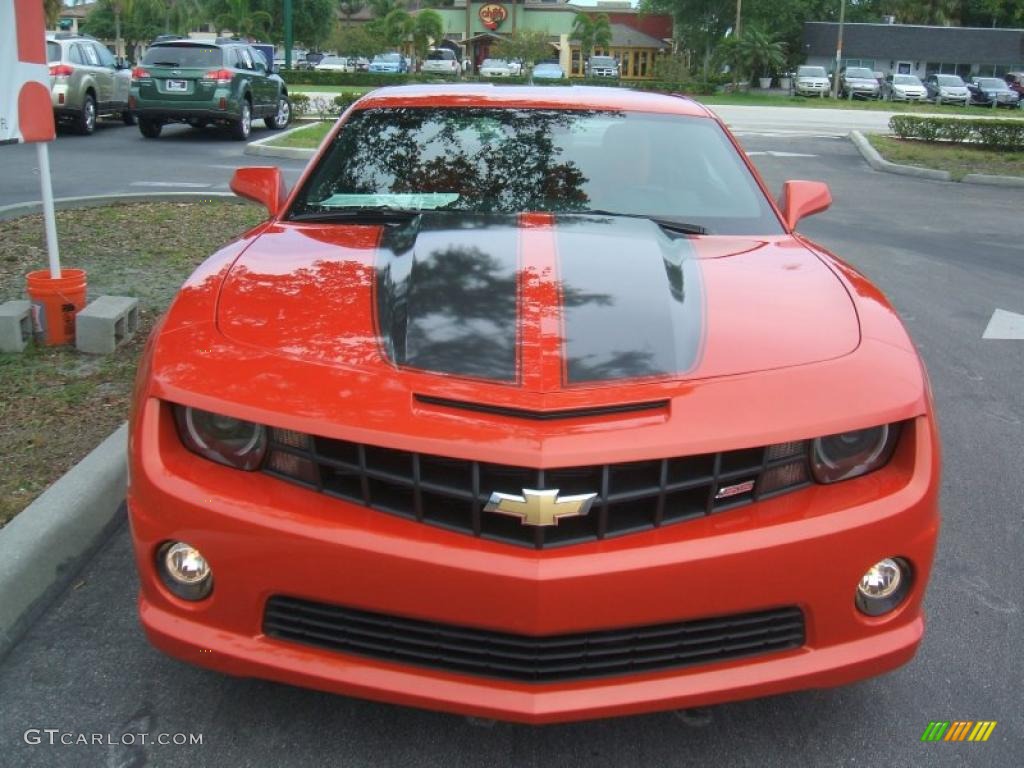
[[958, 159], [755, 99], [305, 138], [55, 404]]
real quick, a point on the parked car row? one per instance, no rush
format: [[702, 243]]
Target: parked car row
[[863, 83]]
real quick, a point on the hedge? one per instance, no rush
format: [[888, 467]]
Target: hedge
[[314, 77], [990, 134]]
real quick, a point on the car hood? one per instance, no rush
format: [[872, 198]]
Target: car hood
[[545, 302]]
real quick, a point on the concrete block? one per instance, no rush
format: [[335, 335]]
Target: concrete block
[[15, 325], [105, 324]]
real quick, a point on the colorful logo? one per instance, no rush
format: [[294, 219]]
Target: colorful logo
[[958, 730], [492, 15]]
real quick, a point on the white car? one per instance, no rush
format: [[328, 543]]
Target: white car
[[811, 81], [335, 64], [904, 88], [441, 61], [495, 68]]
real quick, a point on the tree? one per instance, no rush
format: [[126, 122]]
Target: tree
[[52, 9], [357, 40], [381, 8], [241, 19], [591, 31], [350, 8], [396, 27], [427, 28], [527, 45], [761, 52]]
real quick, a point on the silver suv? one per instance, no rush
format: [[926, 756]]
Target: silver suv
[[602, 66], [86, 82]]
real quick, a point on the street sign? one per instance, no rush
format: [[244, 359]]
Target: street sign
[[25, 110]]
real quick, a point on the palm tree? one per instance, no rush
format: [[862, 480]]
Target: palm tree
[[762, 52], [120, 7], [427, 28], [592, 32], [398, 25], [52, 9], [242, 20]]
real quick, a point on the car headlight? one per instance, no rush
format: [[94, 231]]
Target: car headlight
[[851, 454], [224, 439]]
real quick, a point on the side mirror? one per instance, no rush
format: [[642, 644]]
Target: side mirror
[[803, 198], [261, 184]]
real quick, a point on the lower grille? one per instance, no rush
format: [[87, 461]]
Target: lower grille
[[626, 651]]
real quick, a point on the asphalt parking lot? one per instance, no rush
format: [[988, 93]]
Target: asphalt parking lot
[[947, 255]]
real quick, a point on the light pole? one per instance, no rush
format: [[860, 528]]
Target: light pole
[[839, 49], [287, 34]]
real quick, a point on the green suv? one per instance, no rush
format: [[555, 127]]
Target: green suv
[[199, 83], [85, 82]]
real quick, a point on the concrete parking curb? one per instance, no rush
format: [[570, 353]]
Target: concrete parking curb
[[879, 163], [263, 148], [44, 546], [95, 201]]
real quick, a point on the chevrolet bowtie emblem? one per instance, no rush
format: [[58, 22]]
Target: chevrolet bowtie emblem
[[540, 507]]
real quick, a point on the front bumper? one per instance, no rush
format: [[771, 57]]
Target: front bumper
[[264, 537]]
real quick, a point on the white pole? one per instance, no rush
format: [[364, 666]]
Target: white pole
[[43, 154]]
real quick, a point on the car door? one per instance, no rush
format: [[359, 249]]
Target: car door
[[102, 77], [264, 90], [120, 79]]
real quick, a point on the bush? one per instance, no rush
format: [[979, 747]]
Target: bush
[[990, 134], [342, 100], [300, 103], [313, 77]]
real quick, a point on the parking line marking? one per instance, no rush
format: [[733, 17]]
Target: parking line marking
[[189, 184], [773, 153], [1005, 326]]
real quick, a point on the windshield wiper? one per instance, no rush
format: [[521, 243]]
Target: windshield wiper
[[665, 222], [361, 213]]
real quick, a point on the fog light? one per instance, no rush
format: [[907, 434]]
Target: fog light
[[883, 586], [184, 570]]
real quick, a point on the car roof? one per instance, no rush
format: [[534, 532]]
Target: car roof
[[196, 43], [554, 97]]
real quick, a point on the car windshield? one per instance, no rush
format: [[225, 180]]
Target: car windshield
[[811, 72], [602, 61], [440, 55], [494, 63], [867, 74], [547, 68], [183, 56], [390, 58], [990, 82], [906, 80], [490, 160], [949, 80]]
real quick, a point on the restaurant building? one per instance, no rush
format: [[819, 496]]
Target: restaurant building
[[637, 40]]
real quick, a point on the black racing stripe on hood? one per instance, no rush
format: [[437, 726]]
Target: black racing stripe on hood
[[447, 294], [633, 301]]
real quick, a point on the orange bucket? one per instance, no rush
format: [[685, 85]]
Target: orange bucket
[[55, 304]]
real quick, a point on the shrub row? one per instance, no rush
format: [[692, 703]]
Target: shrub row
[[991, 134], [365, 79]]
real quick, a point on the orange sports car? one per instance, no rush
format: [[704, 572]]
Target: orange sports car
[[530, 404]]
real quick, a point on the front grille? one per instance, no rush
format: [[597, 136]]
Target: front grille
[[626, 651], [451, 493]]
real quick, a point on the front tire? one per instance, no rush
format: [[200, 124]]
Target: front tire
[[86, 120], [150, 128], [242, 127], [282, 117]]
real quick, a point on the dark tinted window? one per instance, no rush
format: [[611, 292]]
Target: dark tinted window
[[513, 160], [183, 56], [52, 51], [106, 57], [75, 54], [441, 56]]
